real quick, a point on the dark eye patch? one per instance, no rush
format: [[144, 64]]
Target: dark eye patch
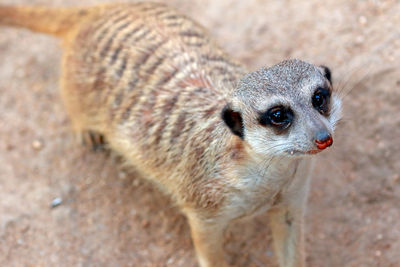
[[278, 117], [327, 73], [321, 99]]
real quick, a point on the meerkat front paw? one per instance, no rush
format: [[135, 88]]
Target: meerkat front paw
[[93, 139]]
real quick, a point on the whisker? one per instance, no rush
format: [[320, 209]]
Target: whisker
[[345, 87], [265, 164]]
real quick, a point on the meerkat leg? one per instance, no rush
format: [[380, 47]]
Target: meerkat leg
[[287, 232], [287, 219], [88, 138], [207, 236]]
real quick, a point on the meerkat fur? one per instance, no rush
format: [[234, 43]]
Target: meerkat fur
[[224, 142]]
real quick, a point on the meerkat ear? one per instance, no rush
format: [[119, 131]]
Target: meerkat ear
[[234, 120], [326, 72]]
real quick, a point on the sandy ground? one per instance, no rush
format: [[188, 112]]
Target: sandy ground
[[110, 217]]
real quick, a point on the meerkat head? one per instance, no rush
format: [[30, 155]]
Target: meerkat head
[[287, 109]]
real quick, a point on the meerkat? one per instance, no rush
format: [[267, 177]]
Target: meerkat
[[223, 142]]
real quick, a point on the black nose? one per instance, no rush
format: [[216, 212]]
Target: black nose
[[323, 139], [322, 136]]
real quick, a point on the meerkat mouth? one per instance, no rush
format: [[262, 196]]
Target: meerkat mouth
[[304, 153], [321, 145], [314, 151]]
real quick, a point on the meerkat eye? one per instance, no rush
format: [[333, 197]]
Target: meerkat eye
[[320, 100], [279, 117]]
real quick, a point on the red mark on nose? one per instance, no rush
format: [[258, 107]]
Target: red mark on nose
[[324, 143]]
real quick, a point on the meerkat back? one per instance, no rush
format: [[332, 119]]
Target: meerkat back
[[129, 57], [134, 74], [133, 69]]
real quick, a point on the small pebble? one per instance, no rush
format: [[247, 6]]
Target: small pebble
[[56, 202], [37, 145], [378, 253], [362, 20], [121, 175], [170, 260], [135, 183], [145, 224], [269, 253], [360, 39]]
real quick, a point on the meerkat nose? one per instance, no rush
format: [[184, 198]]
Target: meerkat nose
[[323, 139]]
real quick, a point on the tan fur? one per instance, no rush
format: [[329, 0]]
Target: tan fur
[[152, 84]]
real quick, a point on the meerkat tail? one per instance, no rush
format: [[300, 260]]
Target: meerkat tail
[[54, 21]]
